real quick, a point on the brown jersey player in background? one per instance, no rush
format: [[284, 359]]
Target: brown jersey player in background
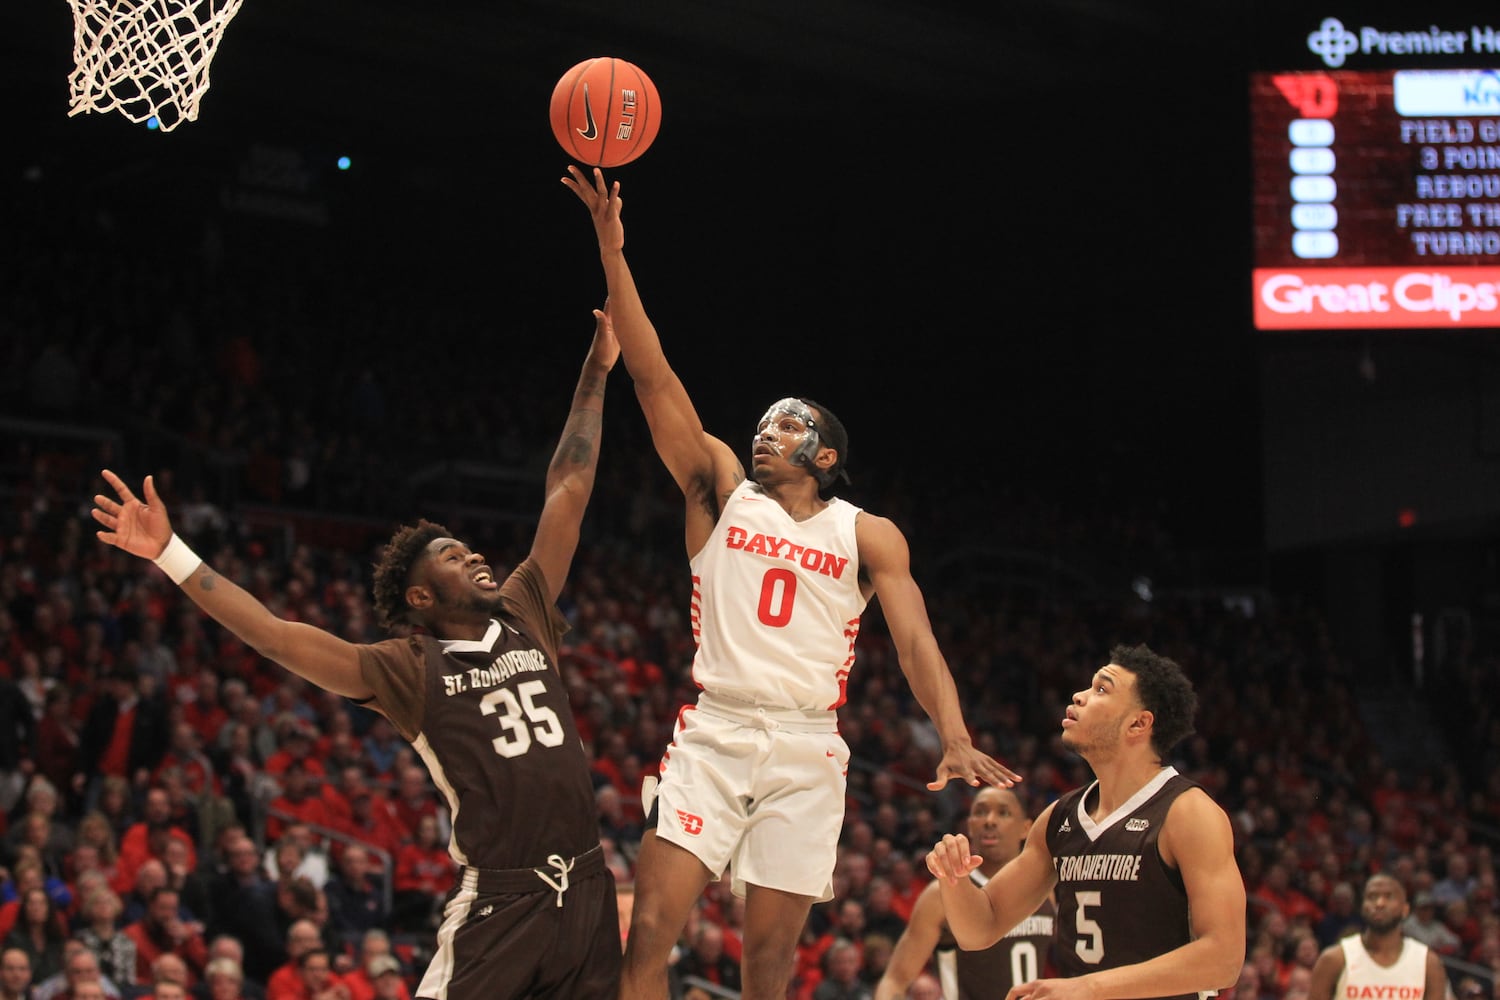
[[1150, 902], [477, 692], [997, 828]]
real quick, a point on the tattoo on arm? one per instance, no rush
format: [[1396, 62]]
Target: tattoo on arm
[[591, 386], [580, 441], [575, 450], [206, 582]]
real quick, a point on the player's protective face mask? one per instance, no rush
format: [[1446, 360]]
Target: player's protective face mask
[[769, 430]]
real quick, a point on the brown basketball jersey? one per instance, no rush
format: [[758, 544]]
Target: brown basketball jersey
[[1019, 957], [1117, 903], [491, 720]]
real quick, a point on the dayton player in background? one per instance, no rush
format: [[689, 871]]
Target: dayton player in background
[[754, 778], [997, 827], [479, 697], [1380, 961], [1150, 902]]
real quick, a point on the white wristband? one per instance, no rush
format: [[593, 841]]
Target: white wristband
[[178, 561]]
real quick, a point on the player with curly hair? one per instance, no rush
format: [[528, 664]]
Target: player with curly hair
[[1150, 902], [476, 690]]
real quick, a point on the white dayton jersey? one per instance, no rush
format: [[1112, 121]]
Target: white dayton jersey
[[776, 603], [1365, 979]]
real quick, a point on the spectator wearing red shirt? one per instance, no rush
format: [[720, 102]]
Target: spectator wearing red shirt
[[316, 979], [337, 794], [375, 960], [389, 981], [639, 672], [413, 799], [146, 838], [204, 713], [424, 873], [297, 803], [1278, 893], [295, 747], [185, 756], [373, 822], [906, 886], [162, 930], [124, 732], [329, 745], [611, 751], [287, 982]]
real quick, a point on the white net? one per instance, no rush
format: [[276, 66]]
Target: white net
[[145, 58]]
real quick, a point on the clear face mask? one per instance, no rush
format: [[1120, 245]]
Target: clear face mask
[[778, 420]]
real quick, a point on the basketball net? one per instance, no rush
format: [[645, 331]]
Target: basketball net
[[145, 58]]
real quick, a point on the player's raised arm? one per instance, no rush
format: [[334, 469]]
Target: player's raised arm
[[570, 476], [701, 464], [884, 555], [143, 528]]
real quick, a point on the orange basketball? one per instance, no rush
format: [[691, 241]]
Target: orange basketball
[[605, 112]]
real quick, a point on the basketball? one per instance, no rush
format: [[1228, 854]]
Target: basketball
[[605, 112]]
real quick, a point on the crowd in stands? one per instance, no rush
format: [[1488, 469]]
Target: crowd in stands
[[179, 816]]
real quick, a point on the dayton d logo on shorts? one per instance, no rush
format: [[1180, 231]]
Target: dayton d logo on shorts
[[691, 825]]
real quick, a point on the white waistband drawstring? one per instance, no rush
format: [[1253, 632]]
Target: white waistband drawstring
[[559, 884]]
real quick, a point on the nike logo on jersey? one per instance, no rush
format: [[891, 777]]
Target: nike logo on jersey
[[591, 131]]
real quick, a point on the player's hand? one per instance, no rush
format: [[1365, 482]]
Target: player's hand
[[951, 859], [142, 529], [603, 203], [1081, 988], [966, 763], [605, 349]]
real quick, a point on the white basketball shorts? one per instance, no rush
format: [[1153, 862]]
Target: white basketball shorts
[[759, 791]]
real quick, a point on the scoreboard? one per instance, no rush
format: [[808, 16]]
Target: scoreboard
[[1376, 190]]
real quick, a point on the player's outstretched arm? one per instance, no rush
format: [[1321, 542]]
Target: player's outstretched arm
[[143, 528], [915, 946], [570, 476], [688, 452], [980, 917], [884, 555]]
